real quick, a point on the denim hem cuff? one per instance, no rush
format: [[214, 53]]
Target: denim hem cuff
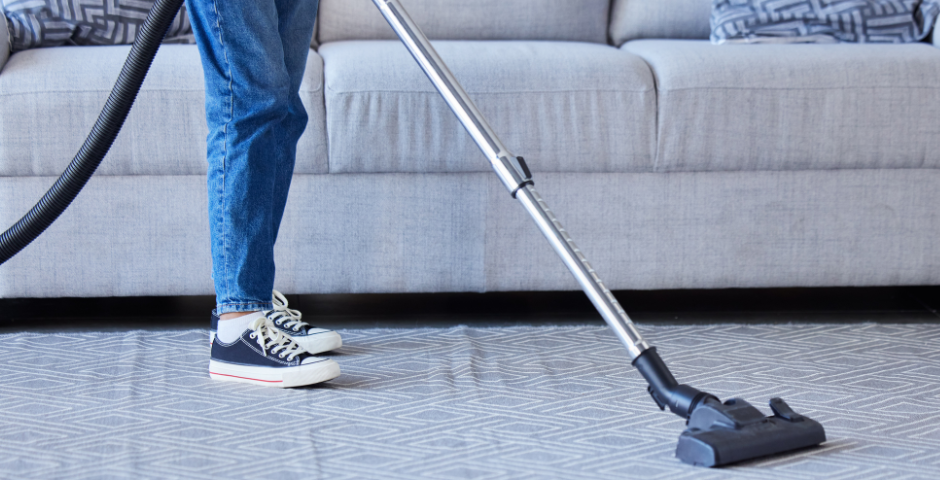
[[243, 307]]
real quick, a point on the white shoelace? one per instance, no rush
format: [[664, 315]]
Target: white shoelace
[[284, 316], [271, 340]]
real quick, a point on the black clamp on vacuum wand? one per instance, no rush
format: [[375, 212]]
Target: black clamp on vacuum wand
[[518, 171]]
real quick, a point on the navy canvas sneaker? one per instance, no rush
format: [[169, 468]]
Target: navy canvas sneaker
[[312, 339], [264, 355]]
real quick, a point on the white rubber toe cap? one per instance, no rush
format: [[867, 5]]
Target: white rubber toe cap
[[320, 342]]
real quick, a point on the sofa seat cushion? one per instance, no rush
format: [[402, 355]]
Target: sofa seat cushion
[[51, 97], [581, 20], [565, 106], [794, 107]]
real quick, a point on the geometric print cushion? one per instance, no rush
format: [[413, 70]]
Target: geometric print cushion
[[823, 21], [51, 23]]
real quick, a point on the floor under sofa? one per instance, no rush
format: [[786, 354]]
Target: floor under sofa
[[495, 385]]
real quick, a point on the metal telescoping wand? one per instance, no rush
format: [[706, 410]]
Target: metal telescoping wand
[[718, 433], [514, 174]]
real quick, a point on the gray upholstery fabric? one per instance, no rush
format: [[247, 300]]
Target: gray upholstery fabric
[[633, 19], [726, 230], [511, 403], [784, 107], [565, 106], [340, 233], [391, 232], [122, 236], [50, 98], [581, 20], [461, 232]]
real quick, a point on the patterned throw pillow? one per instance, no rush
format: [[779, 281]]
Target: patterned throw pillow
[[805, 21], [50, 23]]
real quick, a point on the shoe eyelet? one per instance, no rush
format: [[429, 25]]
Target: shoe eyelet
[[252, 336], [296, 329], [281, 355]]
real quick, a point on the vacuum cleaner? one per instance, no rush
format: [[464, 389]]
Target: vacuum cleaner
[[718, 433]]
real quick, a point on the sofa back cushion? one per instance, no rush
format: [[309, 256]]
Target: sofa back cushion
[[581, 20], [794, 107], [50, 98], [565, 106], [633, 19]]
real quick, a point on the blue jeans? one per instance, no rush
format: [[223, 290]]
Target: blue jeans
[[253, 57]]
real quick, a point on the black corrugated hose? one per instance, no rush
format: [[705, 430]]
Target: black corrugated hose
[[99, 141]]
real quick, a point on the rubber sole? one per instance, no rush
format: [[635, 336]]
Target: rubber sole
[[282, 377]]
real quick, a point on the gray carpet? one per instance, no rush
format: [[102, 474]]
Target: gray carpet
[[482, 403]]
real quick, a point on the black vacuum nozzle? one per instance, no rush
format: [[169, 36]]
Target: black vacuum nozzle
[[722, 433]]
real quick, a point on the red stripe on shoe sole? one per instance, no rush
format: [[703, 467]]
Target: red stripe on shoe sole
[[247, 378]]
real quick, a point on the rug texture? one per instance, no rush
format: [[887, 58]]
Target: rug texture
[[456, 403]]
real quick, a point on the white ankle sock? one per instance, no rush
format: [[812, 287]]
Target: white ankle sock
[[230, 330]]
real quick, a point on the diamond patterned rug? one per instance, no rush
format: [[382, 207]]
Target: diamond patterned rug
[[455, 403]]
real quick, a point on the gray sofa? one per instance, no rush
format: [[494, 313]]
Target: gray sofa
[[674, 163]]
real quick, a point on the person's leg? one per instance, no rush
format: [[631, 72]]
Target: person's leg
[[247, 99], [295, 29]]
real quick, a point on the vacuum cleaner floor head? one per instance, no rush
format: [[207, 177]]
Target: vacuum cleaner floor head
[[723, 433]]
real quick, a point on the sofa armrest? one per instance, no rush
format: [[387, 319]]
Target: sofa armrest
[[5, 44]]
